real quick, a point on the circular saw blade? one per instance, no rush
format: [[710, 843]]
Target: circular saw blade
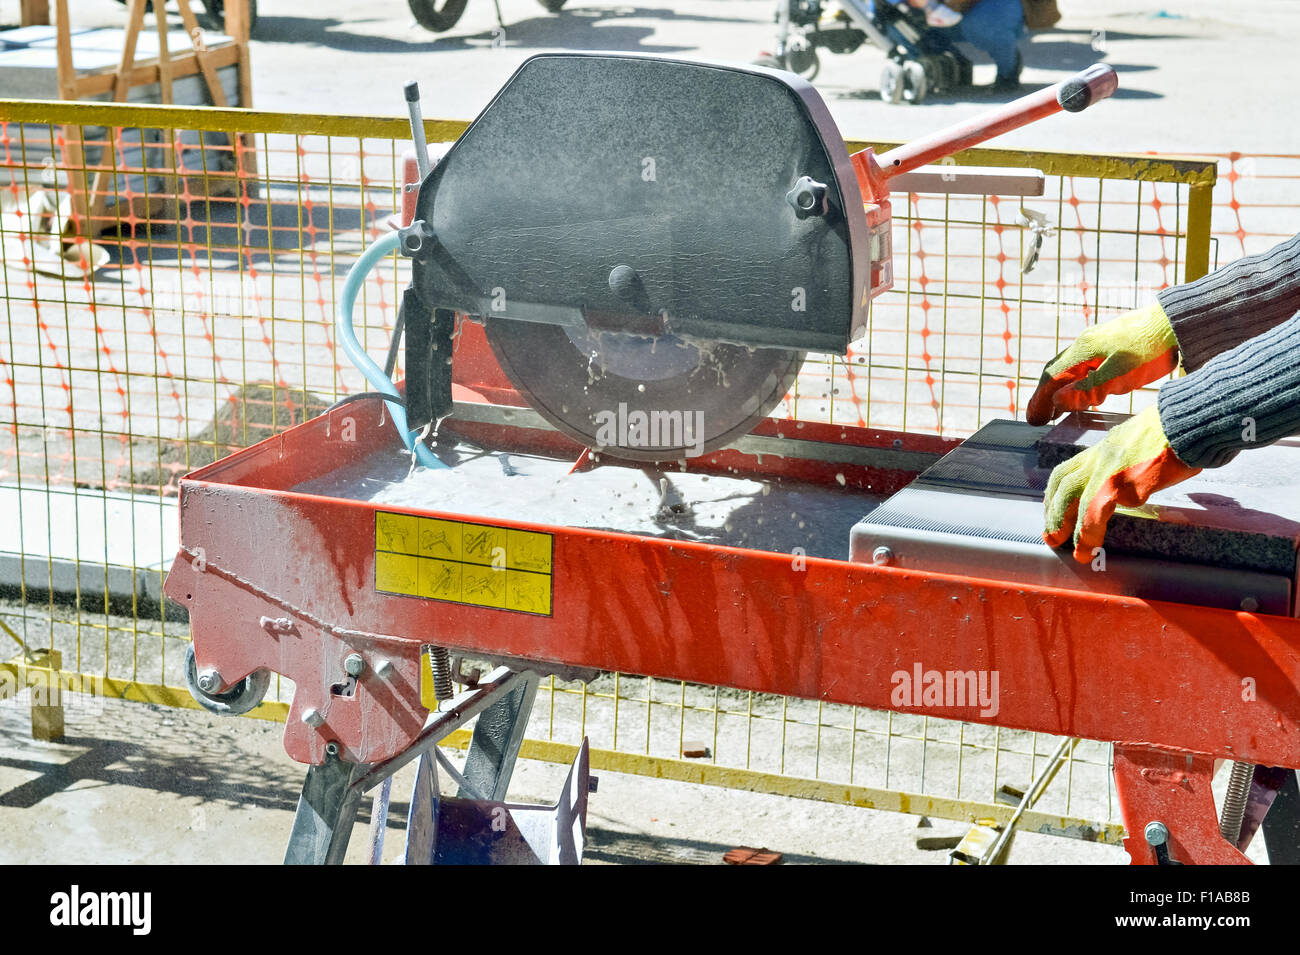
[[645, 398]]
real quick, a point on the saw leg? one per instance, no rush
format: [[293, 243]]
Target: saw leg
[[1168, 808], [477, 826], [494, 747], [1282, 823], [333, 790], [422, 817], [379, 820], [326, 812]]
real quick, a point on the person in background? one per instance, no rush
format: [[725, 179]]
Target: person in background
[[1235, 331], [937, 14], [995, 26]]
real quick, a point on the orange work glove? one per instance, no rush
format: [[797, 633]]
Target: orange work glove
[[1126, 467], [1107, 359]]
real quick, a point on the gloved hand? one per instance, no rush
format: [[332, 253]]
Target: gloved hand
[[1107, 359], [1126, 467]]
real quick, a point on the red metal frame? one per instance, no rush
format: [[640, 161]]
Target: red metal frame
[[285, 581]]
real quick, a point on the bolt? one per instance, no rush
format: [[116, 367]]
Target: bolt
[[623, 281], [882, 555], [415, 237], [209, 680], [354, 664], [312, 717], [383, 668], [275, 625], [808, 197], [1157, 834], [332, 749]]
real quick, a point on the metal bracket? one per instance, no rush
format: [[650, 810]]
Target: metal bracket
[[503, 832], [326, 811], [450, 830], [332, 791]]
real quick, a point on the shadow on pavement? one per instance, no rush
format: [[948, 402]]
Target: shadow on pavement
[[634, 848], [583, 28], [216, 773]]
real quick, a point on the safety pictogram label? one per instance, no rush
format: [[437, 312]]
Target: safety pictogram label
[[463, 563]]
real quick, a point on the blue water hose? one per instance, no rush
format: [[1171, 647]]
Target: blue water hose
[[371, 257]]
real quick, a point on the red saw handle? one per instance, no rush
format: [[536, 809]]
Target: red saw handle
[[1072, 95]]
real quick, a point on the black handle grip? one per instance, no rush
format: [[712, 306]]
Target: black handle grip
[[1087, 87]]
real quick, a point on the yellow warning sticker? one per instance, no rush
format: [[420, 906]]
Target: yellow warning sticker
[[463, 563], [485, 586], [395, 533], [439, 579], [483, 545], [396, 573], [526, 550], [530, 592], [441, 539]]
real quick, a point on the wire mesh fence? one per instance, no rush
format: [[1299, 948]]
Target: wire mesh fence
[[988, 288], [169, 288]]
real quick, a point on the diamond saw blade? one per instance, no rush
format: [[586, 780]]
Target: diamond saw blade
[[646, 398]]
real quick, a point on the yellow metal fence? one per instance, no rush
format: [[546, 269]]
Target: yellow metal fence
[[198, 319]]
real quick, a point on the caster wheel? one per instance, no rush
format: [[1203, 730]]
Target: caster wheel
[[240, 698], [965, 72], [437, 18], [891, 82], [915, 83], [805, 62], [948, 69]]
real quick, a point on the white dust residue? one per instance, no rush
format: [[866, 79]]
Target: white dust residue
[[734, 511]]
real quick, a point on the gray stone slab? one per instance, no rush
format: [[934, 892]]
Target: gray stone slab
[[1225, 538], [1072, 434]]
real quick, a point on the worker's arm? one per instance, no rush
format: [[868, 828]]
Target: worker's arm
[[1246, 397], [1243, 398], [1195, 321], [1225, 308]]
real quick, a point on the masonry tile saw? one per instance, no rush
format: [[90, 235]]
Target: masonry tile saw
[[617, 271]]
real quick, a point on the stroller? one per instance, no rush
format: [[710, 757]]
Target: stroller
[[921, 59]]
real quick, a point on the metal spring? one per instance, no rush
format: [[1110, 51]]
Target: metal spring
[[441, 661], [1234, 801]]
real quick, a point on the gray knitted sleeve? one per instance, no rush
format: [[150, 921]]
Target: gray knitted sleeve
[[1227, 307], [1246, 397]]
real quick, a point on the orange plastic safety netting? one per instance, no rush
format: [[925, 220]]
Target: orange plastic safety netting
[[987, 289], [199, 316]]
